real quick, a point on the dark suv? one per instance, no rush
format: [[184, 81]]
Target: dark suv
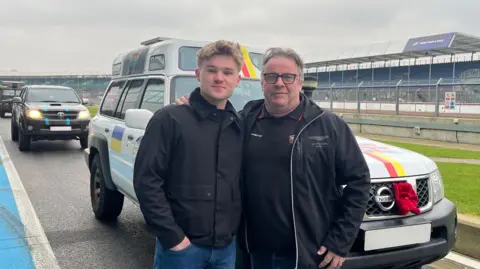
[[8, 90], [49, 113]]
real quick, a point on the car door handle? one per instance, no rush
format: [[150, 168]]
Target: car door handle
[[130, 137], [107, 130]]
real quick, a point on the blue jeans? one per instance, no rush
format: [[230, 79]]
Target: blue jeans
[[271, 261], [195, 257]]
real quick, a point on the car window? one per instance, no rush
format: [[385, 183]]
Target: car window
[[247, 90], [111, 98], [153, 97], [131, 98], [52, 95]]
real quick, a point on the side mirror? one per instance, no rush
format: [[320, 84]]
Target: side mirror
[[17, 99], [85, 101], [137, 118]]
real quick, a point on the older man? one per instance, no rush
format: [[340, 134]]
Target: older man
[[297, 160]]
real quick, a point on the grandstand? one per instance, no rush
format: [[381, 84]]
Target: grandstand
[[412, 78], [89, 86]]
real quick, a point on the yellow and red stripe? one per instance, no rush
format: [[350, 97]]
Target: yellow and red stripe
[[394, 168], [248, 69]]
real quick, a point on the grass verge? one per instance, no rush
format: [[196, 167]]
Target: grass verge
[[462, 186], [93, 110], [437, 152]]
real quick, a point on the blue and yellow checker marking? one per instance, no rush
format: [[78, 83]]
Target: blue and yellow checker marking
[[117, 136]]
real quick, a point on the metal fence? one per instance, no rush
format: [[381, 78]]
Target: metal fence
[[91, 87], [444, 97]]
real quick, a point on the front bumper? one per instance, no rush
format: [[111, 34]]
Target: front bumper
[[443, 218], [45, 129]]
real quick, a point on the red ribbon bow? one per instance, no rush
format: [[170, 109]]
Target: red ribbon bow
[[406, 198]]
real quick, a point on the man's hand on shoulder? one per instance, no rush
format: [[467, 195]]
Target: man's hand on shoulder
[[183, 100], [335, 261], [183, 245]]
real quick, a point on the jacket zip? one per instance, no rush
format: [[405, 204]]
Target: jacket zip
[[291, 186], [246, 237]]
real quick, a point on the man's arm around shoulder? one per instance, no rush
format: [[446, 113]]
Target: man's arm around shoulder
[[151, 165], [351, 170]]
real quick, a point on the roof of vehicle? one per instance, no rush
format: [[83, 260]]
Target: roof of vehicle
[[137, 61], [49, 87]]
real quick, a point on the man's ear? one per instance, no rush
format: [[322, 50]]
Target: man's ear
[[239, 79], [197, 73]]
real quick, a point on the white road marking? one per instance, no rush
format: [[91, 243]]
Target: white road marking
[[40, 248], [462, 259]]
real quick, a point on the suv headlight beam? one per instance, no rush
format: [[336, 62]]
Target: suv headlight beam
[[85, 114], [34, 114]]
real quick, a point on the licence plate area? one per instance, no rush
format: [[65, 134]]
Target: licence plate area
[[60, 128], [397, 236]]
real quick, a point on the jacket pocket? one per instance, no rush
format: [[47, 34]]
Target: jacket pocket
[[192, 208]]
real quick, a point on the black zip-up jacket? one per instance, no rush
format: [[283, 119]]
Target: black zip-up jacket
[[325, 156], [187, 174]]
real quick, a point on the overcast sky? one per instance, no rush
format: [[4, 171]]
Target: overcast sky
[[81, 36]]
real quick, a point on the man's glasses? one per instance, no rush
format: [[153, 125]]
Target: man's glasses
[[271, 78]]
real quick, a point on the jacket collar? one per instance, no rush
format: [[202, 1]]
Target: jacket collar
[[203, 108]]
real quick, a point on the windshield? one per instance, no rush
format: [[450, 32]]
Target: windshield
[[52, 95], [247, 90]]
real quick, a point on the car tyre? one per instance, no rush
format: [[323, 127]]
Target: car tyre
[[24, 141], [2, 113], [106, 204], [13, 131], [84, 142]]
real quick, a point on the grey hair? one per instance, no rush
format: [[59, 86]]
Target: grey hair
[[284, 52]]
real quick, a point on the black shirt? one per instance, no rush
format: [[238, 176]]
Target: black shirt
[[267, 173], [187, 172]]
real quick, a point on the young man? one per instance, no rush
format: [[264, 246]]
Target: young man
[[297, 158], [187, 171]]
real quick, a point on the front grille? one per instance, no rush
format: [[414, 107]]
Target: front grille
[[375, 210], [53, 115], [422, 192]]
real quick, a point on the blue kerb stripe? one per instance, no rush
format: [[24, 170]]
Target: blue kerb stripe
[[46, 121], [14, 249], [68, 121]]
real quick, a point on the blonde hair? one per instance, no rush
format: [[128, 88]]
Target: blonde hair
[[221, 47]]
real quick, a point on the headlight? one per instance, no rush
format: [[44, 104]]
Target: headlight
[[84, 115], [437, 186], [34, 114]]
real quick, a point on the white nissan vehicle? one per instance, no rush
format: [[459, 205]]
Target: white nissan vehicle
[[162, 70]]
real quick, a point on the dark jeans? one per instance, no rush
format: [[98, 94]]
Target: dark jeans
[[195, 257], [271, 261]]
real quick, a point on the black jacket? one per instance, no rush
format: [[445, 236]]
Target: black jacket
[[325, 156], [187, 174]]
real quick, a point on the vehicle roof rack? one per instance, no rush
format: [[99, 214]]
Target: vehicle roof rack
[[154, 40]]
